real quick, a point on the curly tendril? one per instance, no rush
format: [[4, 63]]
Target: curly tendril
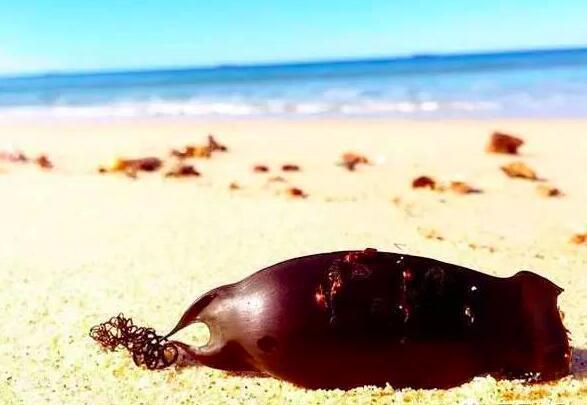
[[146, 346]]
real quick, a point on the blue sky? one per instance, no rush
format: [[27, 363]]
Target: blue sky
[[66, 35]]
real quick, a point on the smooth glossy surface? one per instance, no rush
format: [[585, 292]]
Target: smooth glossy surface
[[346, 319]]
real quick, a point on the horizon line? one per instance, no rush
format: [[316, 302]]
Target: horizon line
[[292, 63]]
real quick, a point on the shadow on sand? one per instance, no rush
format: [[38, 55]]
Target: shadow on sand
[[579, 363]]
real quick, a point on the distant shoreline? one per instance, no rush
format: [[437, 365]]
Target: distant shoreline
[[522, 84], [297, 64]]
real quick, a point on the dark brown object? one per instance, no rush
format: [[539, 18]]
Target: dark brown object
[[290, 168], [548, 191], [353, 318], [424, 182], [503, 143], [260, 169], [149, 164], [234, 186], [519, 170], [183, 171], [214, 145], [350, 160], [43, 162], [296, 192], [147, 348]]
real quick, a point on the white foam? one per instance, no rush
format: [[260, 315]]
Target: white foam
[[157, 107]]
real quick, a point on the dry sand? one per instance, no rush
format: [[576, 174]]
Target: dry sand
[[78, 247]]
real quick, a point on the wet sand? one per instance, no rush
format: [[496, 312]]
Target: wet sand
[[78, 247]]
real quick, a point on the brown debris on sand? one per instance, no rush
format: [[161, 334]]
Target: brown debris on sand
[[503, 143], [214, 145], [199, 151], [296, 192], [14, 156], [351, 159], [519, 170], [424, 182], [430, 233], [43, 162], [148, 164], [290, 168], [190, 151], [130, 167], [260, 169], [579, 239], [183, 171], [234, 186], [548, 191], [460, 187]]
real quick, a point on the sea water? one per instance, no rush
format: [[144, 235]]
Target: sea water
[[514, 84]]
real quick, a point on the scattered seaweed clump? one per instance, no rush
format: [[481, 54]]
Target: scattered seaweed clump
[[519, 170], [424, 182], [130, 167], [199, 151], [579, 238], [14, 156], [548, 191], [296, 192], [43, 162], [216, 146], [183, 171], [260, 169], [147, 347], [290, 168], [504, 143], [459, 187], [190, 151], [350, 160]]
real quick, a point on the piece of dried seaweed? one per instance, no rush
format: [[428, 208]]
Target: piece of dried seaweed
[[424, 182], [350, 159], [519, 170], [504, 143]]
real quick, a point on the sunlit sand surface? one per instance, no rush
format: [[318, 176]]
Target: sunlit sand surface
[[78, 247]]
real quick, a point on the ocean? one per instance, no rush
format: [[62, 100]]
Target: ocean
[[530, 84]]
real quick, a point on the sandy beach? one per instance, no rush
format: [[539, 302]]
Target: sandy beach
[[78, 247]]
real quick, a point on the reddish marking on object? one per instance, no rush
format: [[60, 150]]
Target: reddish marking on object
[[408, 275], [320, 298]]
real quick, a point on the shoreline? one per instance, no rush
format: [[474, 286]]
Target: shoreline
[[195, 119]]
